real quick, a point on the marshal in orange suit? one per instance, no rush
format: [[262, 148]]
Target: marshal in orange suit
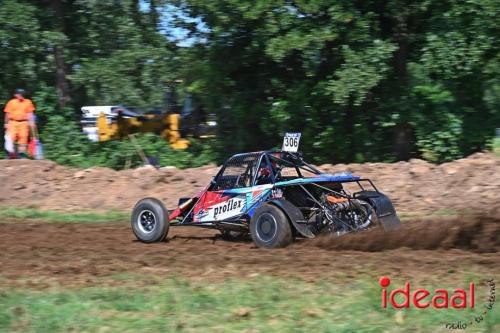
[[18, 119]]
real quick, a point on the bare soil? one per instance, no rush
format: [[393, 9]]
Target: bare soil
[[41, 254], [471, 183], [480, 233]]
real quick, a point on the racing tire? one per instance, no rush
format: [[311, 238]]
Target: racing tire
[[270, 228], [374, 222], [150, 220]]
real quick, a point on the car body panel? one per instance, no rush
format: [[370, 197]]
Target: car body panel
[[233, 203], [229, 204], [319, 179]]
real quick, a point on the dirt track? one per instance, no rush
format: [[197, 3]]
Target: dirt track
[[38, 254]]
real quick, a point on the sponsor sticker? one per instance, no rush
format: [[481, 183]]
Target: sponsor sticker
[[225, 210]]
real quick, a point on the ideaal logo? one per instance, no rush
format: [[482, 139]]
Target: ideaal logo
[[423, 298], [438, 299]]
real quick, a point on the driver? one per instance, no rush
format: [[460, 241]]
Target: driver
[[264, 175]]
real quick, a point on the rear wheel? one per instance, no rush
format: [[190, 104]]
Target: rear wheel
[[366, 215], [150, 220], [270, 228]]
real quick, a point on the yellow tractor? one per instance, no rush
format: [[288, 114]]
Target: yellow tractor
[[104, 123]]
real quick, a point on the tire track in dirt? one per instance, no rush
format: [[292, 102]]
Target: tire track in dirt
[[480, 233], [39, 254]]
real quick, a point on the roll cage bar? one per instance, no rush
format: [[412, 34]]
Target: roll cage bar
[[293, 160]]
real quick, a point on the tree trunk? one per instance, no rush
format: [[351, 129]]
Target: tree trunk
[[135, 12], [403, 141], [153, 12], [350, 135], [402, 131], [401, 36], [62, 84]]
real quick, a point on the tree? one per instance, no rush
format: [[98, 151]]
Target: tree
[[275, 66], [363, 80], [62, 84], [377, 80]]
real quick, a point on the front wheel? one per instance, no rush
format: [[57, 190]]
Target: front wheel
[[150, 220], [270, 228]]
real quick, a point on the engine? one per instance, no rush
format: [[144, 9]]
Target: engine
[[342, 214]]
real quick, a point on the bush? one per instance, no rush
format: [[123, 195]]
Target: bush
[[64, 142]]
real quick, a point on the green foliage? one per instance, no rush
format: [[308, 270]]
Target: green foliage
[[64, 142], [351, 76], [263, 304], [495, 146], [53, 216], [363, 81], [360, 73], [22, 61]]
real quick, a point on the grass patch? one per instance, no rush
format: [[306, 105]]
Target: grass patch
[[115, 216], [437, 213], [53, 216], [496, 146], [253, 305]]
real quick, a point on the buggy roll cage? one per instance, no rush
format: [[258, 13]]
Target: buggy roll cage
[[284, 158], [287, 158], [308, 167], [294, 160]]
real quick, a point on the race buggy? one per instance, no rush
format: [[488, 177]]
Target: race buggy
[[275, 196]]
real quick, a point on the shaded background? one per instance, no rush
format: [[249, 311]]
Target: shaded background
[[362, 80]]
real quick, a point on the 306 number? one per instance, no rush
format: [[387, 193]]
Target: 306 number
[[292, 142]]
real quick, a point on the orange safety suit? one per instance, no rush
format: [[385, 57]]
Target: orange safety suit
[[19, 113]]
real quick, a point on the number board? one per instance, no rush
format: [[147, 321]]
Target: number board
[[291, 142]]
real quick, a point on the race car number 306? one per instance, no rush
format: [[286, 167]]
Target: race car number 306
[[291, 142]]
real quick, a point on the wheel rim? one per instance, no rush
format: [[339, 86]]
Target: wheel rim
[[266, 227], [368, 220], [146, 221]]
